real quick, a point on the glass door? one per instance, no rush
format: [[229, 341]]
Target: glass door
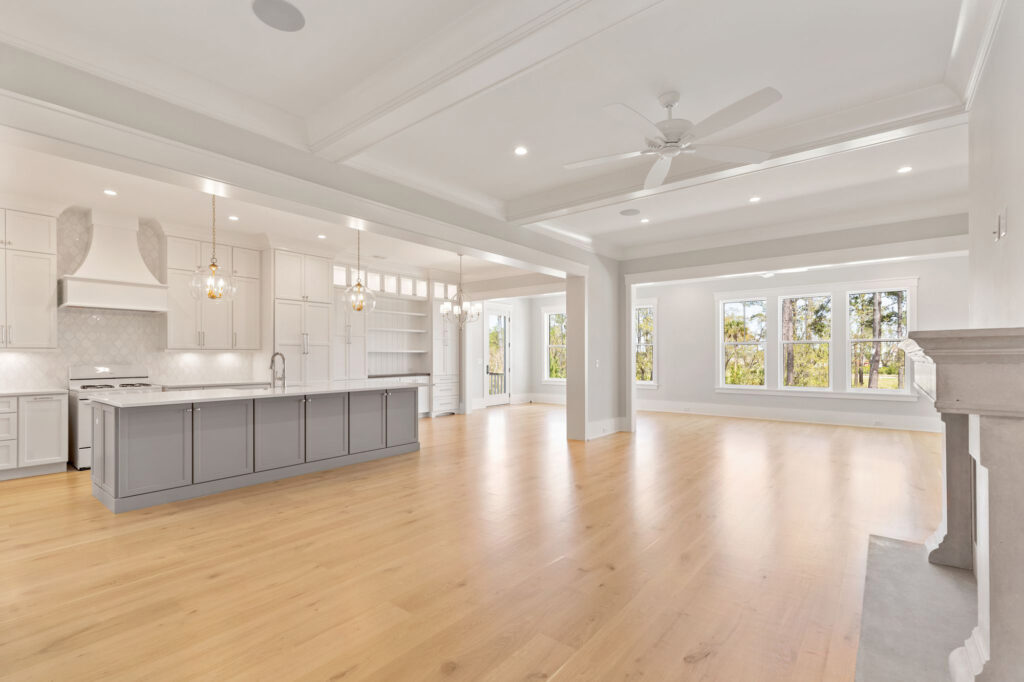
[[497, 389]]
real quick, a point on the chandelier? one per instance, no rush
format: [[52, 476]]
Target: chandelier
[[207, 282], [458, 309], [361, 298]]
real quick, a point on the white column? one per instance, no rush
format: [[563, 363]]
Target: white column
[[576, 358], [953, 542]]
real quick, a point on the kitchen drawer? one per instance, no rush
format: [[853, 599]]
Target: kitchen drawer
[[449, 404], [9, 404], [446, 390], [8, 454], [8, 426]]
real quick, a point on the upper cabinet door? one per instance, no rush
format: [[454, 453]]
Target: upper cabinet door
[[31, 300], [318, 276], [287, 324], [245, 262], [223, 256], [288, 280], [182, 311], [215, 323], [31, 232], [245, 310], [182, 254], [318, 323]]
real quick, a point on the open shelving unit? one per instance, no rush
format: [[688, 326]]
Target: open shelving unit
[[398, 336]]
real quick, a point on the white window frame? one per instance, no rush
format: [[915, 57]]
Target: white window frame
[[873, 287], [651, 303], [544, 314], [780, 374], [720, 346]]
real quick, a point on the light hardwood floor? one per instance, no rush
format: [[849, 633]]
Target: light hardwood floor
[[700, 548]]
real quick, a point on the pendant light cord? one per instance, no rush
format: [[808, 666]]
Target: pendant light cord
[[213, 258], [359, 265]]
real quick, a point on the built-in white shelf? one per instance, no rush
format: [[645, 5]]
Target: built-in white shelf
[[397, 351], [396, 329], [399, 312]]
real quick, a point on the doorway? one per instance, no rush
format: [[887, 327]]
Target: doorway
[[497, 371]]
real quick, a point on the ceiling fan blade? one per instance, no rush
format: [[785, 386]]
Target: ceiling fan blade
[[603, 159], [658, 172], [627, 115], [735, 112], [720, 152]]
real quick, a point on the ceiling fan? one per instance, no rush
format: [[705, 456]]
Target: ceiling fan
[[674, 136]]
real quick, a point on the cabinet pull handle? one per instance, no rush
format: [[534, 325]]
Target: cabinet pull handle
[[45, 397], [198, 408]]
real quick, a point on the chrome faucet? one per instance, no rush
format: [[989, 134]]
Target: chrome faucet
[[273, 373]]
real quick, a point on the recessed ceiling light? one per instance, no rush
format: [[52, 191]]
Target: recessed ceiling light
[[233, 217], [754, 200], [279, 14], [521, 151], [321, 236], [645, 220], [110, 192], [904, 169], [630, 211]]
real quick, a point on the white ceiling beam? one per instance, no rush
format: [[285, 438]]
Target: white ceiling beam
[[880, 122], [496, 42], [975, 31]]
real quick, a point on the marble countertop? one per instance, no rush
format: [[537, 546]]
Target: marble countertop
[[221, 394], [7, 393]]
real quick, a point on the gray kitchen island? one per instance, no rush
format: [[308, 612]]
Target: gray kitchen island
[[152, 448]]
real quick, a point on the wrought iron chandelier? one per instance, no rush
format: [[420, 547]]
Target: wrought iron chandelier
[[460, 310]]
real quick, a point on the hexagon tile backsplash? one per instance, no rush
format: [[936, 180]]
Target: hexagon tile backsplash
[[88, 337]]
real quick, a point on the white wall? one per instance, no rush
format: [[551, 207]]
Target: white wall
[[687, 344], [996, 134]]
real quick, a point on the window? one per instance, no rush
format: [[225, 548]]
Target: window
[[421, 288], [643, 343], [451, 290], [554, 345], [439, 290], [340, 276], [743, 342], [806, 332], [406, 286], [877, 324], [390, 284], [373, 282]]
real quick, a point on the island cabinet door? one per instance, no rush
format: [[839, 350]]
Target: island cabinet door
[[326, 426], [280, 432], [104, 450], [402, 418], [154, 448], [366, 419], [222, 440]]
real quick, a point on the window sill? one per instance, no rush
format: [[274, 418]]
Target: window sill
[[649, 385], [819, 393], [553, 382]]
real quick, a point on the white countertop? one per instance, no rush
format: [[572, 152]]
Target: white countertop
[[221, 394], [7, 393], [218, 384]]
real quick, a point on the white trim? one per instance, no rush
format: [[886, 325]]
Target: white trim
[[780, 377], [504, 309], [910, 286], [720, 301], [931, 424], [898, 396], [544, 313]]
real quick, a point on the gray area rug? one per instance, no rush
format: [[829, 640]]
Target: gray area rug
[[914, 615]]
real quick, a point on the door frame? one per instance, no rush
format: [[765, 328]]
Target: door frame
[[505, 310]]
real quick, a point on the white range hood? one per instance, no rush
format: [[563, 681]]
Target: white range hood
[[113, 274]]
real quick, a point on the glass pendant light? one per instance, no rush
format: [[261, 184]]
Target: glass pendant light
[[460, 310], [208, 283], [360, 298]]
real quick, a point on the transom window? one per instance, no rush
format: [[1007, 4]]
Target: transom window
[[806, 334], [554, 345], [643, 343], [743, 342], [877, 325]]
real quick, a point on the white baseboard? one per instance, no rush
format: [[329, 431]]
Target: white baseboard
[[836, 417], [607, 427], [549, 398]]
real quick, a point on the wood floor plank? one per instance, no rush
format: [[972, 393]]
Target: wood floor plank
[[698, 548]]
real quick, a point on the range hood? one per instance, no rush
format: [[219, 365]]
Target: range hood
[[113, 275]]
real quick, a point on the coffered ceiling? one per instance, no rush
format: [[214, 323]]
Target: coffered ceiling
[[435, 95]]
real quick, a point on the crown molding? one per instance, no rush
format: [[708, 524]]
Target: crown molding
[[975, 33]]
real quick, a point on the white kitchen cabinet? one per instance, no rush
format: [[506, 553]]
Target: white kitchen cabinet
[[205, 324], [302, 277], [245, 262], [9, 425], [302, 334], [31, 300], [349, 342], [183, 254], [245, 312], [3, 298], [42, 430], [8, 454], [30, 232]]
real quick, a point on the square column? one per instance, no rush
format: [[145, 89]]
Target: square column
[[953, 542]]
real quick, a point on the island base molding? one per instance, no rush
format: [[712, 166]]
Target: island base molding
[[124, 504], [42, 469]]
